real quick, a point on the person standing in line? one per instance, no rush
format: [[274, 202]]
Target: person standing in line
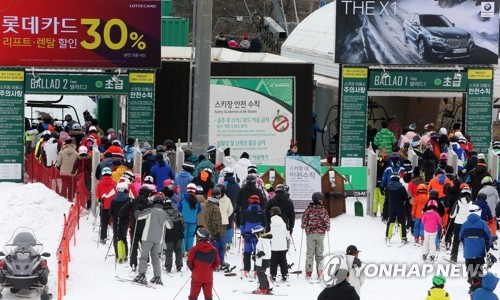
[[356, 276], [174, 237], [279, 245], [315, 221]]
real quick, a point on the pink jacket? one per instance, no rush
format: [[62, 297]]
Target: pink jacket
[[431, 220]]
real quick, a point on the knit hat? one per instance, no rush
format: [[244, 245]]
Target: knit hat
[[474, 209], [481, 156], [244, 155], [92, 128], [191, 188], [252, 168], [211, 148], [275, 210], [82, 150], [438, 280], [187, 166]]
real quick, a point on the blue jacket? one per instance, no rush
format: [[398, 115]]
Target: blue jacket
[[489, 283], [128, 152], [252, 217], [183, 179], [232, 188], [485, 209], [190, 215], [388, 172], [161, 172], [148, 161], [475, 236]]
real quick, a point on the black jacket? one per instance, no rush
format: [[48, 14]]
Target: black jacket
[[282, 200], [398, 196], [140, 203], [474, 178], [120, 200], [245, 193], [341, 291], [177, 232], [232, 188]]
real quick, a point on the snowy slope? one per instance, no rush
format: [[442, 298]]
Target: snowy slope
[[37, 207], [91, 277]]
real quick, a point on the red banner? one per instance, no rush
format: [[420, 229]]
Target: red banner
[[80, 34]]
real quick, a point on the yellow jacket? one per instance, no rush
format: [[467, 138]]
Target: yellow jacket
[[437, 294]]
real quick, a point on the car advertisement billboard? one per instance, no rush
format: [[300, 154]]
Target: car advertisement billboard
[[417, 32], [80, 34]]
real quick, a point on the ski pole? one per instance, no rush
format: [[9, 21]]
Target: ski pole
[[107, 253], [133, 240], [293, 243], [98, 213], [216, 293], [181, 288], [328, 237], [300, 252]]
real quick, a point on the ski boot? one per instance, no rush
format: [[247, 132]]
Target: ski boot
[[453, 259], [263, 291], [432, 258], [424, 257], [141, 278], [308, 275], [168, 268], [156, 280], [284, 278], [103, 241], [179, 269], [272, 278], [403, 242]]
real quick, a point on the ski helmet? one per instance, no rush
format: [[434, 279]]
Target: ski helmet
[[474, 209], [209, 171], [116, 143], [169, 184], [317, 197], [106, 171], [438, 280], [76, 126], [222, 188], [257, 229], [251, 178], [159, 199], [228, 171], [280, 188], [254, 199], [122, 187], [496, 145], [252, 169], [275, 210], [129, 175], [432, 203], [487, 180], [216, 193], [199, 190], [433, 194], [149, 179], [145, 191], [203, 234], [211, 148], [219, 167], [191, 188], [188, 166]]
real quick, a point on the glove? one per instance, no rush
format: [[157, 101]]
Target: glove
[[382, 192], [260, 254], [291, 230], [227, 151], [253, 257], [356, 262]]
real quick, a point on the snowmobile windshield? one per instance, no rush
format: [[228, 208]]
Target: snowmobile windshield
[[23, 244]]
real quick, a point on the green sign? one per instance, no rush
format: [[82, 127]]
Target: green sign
[[141, 106], [417, 81], [478, 111], [11, 125], [80, 84], [353, 117]]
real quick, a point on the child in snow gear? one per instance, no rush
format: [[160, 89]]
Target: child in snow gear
[[213, 220], [356, 277], [279, 244], [120, 223], [416, 212], [489, 283], [173, 237], [476, 238], [251, 217], [315, 221], [397, 199], [261, 257], [437, 291], [283, 202], [152, 238], [432, 221], [202, 261]]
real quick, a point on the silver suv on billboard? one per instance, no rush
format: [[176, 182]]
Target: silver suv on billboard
[[436, 37]]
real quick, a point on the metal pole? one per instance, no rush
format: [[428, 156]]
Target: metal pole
[[201, 93], [191, 64]]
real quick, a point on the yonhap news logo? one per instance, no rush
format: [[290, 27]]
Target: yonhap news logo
[[335, 269]]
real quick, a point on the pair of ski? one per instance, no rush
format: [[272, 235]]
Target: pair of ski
[[252, 293], [403, 243], [277, 284], [145, 283], [229, 272]]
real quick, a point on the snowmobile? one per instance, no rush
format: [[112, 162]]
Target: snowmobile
[[23, 265]]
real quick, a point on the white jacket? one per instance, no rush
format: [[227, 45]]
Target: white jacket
[[355, 279], [241, 169], [264, 245], [460, 210], [492, 194], [51, 151], [281, 236], [226, 209]]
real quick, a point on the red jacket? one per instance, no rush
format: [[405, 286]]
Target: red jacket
[[106, 191], [202, 260]]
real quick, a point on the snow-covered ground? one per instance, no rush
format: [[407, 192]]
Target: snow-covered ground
[[93, 277]]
